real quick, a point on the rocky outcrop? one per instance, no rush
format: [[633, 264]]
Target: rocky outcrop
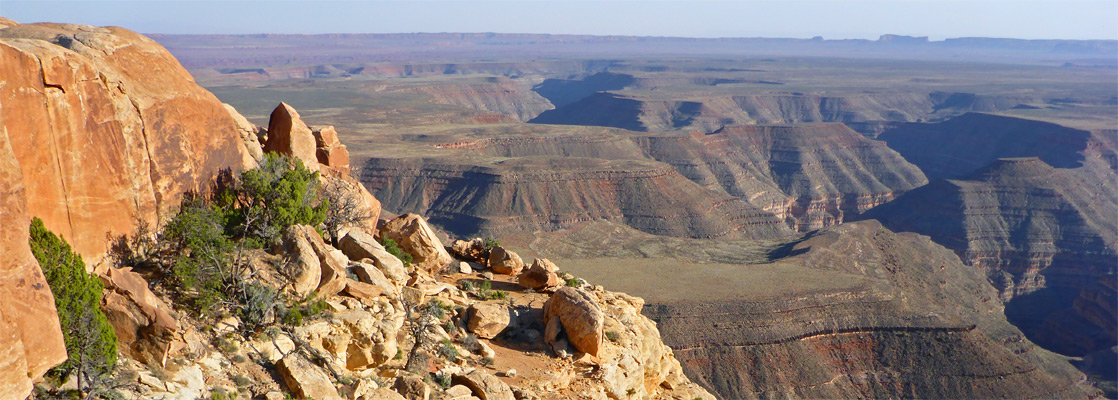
[[305, 380], [99, 143], [576, 314], [102, 141], [414, 236], [505, 261], [539, 276], [487, 320], [288, 134], [145, 328], [30, 335]]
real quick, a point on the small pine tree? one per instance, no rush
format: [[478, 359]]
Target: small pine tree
[[90, 340]]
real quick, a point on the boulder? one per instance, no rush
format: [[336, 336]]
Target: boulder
[[538, 276], [414, 236], [362, 291], [145, 329], [487, 320], [333, 278], [473, 249], [457, 392], [374, 276], [464, 268], [484, 385], [101, 141], [325, 136], [329, 150], [504, 261], [412, 388], [304, 379], [287, 134], [302, 266], [578, 315], [358, 245], [381, 394]]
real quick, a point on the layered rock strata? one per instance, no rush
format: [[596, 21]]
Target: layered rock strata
[[915, 322]]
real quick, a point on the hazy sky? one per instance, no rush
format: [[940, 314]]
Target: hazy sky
[[832, 19]]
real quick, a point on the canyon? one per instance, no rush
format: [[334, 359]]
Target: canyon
[[711, 160], [789, 217]]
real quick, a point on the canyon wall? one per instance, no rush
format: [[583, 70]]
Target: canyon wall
[[1039, 221], [912, 321]]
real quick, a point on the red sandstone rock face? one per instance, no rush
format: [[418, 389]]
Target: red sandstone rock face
[[107, 129], [99, 128], [29, 345]]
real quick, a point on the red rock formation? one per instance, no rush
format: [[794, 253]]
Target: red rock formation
[[107, 128], [99, 128], [30, 336]]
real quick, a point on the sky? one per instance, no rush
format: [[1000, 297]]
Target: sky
[[832, 19]]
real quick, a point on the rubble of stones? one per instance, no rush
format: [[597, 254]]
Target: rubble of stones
[[362, 349]]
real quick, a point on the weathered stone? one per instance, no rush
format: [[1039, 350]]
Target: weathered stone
[[145, 329], [304, 379], [124, 143], [302, 266], [414, 236], [580, 317], [538, 276], [288, 134], [358, 245], [247, 132], [412, 388], [487, 320], [458, 392], [504, 261], [382, 394], [484, 385], [464, 268], [333, 273], [325, 136], [362, 291], [473, 249], [30, 336], [374, 276]]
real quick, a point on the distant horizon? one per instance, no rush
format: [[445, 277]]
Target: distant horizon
[[705, 19], [930, 40]]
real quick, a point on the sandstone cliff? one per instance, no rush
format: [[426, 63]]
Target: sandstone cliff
[[107, 128], [100, 128]]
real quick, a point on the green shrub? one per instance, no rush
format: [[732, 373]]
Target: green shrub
[[261, 306], [279, 193], [490, 243], [485, 291], [612, 336], [201, 270], [393, 248], [573, 282], [90, 340], [447, 351], [309, 307]]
